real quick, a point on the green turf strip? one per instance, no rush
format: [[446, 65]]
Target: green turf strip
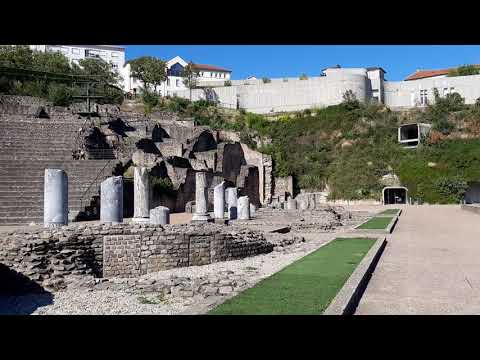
[[305, 287], [390, 212], [376, 223]]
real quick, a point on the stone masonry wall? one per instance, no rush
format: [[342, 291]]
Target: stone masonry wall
[[157, 248], [50, 257]]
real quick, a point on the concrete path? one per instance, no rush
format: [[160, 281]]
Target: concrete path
[[431, 265]]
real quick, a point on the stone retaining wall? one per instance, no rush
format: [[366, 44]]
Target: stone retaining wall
[[50, 257]]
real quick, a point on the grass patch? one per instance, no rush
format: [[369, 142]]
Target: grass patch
[[389, 212], [376, 223], [305, 287]]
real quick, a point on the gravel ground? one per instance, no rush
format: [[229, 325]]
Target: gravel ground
[[97, 301], [109, 302]]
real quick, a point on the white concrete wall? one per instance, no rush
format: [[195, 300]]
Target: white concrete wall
[[292, 95], [407, 93]]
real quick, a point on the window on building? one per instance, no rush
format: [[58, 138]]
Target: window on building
[[168, 82], [445, 91], [114, 66], [114, 55], [177, 83], [75, 51], [423, 97], [92, 54]]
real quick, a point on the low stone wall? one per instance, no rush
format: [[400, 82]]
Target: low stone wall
[[47, 257], [50, 257], [156, 248]]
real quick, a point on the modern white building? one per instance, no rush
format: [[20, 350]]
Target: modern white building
[[113, 54], [174, 83]]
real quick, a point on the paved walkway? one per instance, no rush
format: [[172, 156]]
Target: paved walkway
[[431, 265]]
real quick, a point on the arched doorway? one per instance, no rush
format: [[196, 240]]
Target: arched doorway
[[395, 195]]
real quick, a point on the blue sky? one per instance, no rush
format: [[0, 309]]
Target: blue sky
[[399, 61]]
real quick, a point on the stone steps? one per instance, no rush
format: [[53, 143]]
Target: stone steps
[[27, 147]]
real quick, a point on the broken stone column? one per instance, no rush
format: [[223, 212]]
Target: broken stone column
[[160, 215], [311, 201], [141, 193], [243, 208], [291, 204], [231, 195], [201, 198], [303, 203], [111, 200], [219, 200], [55, 198], [253, 209]]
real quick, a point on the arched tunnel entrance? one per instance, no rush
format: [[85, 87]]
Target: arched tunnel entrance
[[395, 195]]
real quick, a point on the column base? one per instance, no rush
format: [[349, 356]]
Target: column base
[[141, 220], [201, 218]]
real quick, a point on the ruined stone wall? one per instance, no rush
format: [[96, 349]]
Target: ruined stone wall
[[283, 186], [170, 147], [265, 172], [209, 156], [155, 249], [248, 182], [48, 257]]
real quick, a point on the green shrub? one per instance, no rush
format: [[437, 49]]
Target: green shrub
[[60, 95], [150, 100], [266, 80], [350, 101], [303, 77], [161, 185], [453, 189], [227, 83]]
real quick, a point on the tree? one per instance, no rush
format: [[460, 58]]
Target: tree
[[464, 70], [190, 77], [100, 69], [16, 56], [150, 70], [266, 80]]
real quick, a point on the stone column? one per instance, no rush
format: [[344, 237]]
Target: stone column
[[243, 208], [111, 200], [55, 198], [253, 209], [219, 200], [141, 193], [303, 203], [291, 204], [160, 215], [201, 198], [231, 195]]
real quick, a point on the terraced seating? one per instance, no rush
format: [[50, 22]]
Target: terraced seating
[[27, 147]]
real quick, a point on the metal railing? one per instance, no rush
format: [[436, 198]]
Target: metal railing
[[94, 182]]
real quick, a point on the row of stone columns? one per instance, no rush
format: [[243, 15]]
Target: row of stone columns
[[111, 199], [237, 208]]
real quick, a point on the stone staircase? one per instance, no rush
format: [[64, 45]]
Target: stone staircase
[[29, 145]]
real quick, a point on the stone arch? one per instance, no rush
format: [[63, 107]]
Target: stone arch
[[232, 160], [148, 146], [204, 142], [159, 133]]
